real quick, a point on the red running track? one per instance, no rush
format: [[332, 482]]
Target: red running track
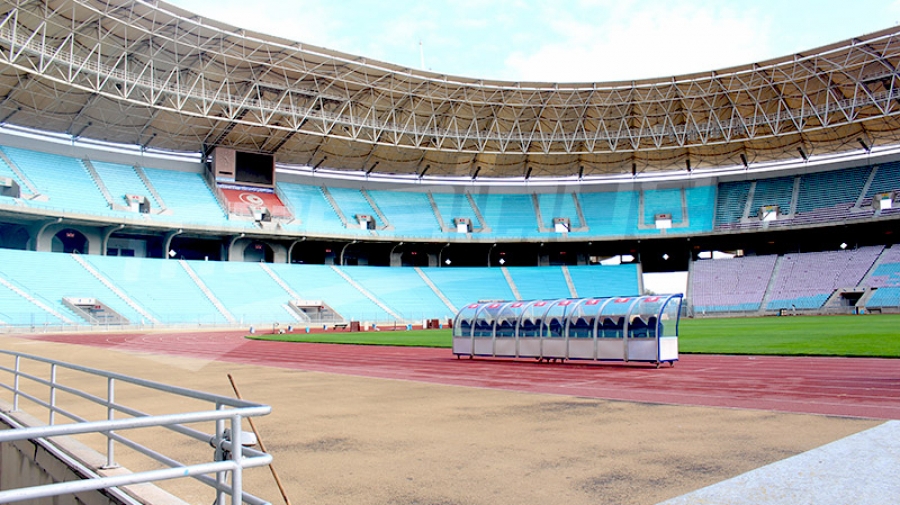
[[859, 387]]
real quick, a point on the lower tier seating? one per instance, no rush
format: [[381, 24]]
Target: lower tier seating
[[200, 293]]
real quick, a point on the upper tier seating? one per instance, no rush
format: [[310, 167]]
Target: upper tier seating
[[66, 183], [692, 217], [313, 212], [63, 179], [6, 171], [611, 214], [730, 285], [121, 180], [821, 197], [824, 190], [663, 201], [409, 212], [351, 203], [701, 201], [731, 201], [887, 178], [554, 205], [453, 206], [508, 215], [776, 191], [189, 198]]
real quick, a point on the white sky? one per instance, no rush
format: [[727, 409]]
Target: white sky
[[665, 283], [559, 40]]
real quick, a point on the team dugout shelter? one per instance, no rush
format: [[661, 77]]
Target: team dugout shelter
[[626, 329]]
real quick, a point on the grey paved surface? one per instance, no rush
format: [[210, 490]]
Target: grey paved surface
[[861, 469]]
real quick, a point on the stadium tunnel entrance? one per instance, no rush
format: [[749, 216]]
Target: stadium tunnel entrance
[[69, 241], [259, 252]]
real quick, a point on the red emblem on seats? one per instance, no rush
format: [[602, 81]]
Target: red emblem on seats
[[622, 300], [251, 199], [592, 301]]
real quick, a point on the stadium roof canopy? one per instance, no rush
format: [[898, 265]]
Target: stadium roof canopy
[[150, 74]]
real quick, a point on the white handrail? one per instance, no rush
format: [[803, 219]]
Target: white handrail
[[227, 454]]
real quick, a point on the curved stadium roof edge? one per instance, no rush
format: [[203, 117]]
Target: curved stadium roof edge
[[151, 74], [350, 58]]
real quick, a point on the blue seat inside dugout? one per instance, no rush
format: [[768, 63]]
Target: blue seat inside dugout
[[637, 328], [613, 328], [582, 328], [556, 328], [506, 329], [530, 328], [651, 326], [484, 329]]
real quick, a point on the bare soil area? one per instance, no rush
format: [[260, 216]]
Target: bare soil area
[[349, 440]]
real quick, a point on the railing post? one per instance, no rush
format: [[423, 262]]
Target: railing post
[[220, 456], [16, 385], [52, 393], [110, 415], [237, 453]]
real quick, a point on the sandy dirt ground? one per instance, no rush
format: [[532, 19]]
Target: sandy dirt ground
[[350, 440]]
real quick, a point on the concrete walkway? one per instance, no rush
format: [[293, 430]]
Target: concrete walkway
[[862, 469]]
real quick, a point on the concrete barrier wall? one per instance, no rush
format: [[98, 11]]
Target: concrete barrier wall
[[30, 463]]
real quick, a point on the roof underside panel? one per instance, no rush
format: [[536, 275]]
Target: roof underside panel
[[149, 74]]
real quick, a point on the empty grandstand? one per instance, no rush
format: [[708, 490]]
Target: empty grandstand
[[731, 285], [302, 185]]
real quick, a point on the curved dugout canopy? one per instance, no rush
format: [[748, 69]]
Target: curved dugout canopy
[[633, 328], [612, 317]]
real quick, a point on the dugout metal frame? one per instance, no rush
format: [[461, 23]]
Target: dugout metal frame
[[627, 329]]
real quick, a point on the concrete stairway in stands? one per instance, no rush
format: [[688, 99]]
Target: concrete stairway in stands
[[512, 283], [12, 287], [115, 289], [366, 293], [437, 291], [572, 291], [209, 294], [770, 287]]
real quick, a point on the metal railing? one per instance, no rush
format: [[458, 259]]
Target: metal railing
[[16, 323], [36, 380]]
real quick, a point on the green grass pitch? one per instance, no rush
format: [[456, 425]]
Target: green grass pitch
[[869, 335]]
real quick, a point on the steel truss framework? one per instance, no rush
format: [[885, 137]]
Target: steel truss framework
[[150, 74]]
